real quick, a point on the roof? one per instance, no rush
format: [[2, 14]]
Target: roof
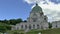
[[37, 8]]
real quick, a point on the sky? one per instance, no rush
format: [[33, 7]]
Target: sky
[[13, 9]]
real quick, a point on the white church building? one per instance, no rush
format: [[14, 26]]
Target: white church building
[[36, 20], [56, 24]]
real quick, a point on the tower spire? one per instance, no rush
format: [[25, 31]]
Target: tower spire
[[36, 3]]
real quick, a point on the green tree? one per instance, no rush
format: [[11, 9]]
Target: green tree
[[5, 21], [19, 20], [25, 20], [3, 29], [14, 21], [50, 25]]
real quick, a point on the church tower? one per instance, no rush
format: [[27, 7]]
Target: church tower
[[37, 15]]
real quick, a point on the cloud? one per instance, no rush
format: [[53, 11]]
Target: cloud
[[51, 9]]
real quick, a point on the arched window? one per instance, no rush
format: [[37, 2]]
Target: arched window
[[38, 26], [22, 26], [34, 19], [29, 26], [25, 26], [56, 25], [41, 27], [33, 26], [44, 18]]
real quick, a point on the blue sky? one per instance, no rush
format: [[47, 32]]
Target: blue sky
[[13, 9]]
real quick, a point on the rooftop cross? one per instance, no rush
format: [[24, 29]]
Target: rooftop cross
[[37, 2]]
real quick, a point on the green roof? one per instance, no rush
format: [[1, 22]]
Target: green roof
[[37, 8]]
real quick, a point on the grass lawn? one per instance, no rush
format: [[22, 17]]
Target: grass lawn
[[49, 31]]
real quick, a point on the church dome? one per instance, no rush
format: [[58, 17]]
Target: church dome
[[37, 8]]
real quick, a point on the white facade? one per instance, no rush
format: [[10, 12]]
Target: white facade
[[36, 20], [33, 25], [56, 24]]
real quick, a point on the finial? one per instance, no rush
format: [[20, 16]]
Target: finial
[[36, 4]]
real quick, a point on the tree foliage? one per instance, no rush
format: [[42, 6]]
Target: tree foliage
[[25, 20], [12, 21], [5, 24], [4, 27], [50, 25]]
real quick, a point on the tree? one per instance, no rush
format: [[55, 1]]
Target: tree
[[8, 27], [12, 21], [50, 25], [3, 29], [19, 20], [5, 21], [25, 20], [15, 21]]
